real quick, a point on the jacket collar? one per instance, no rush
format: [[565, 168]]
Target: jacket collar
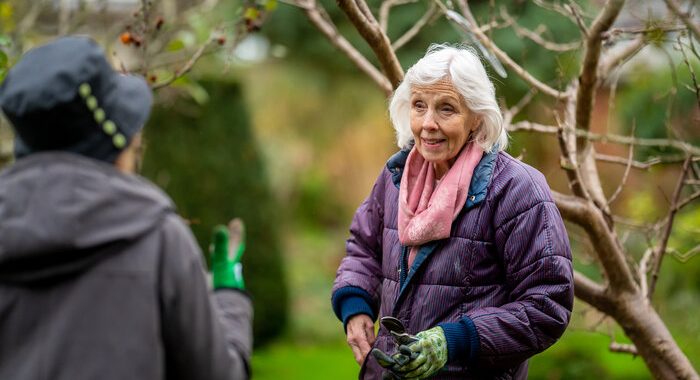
[[480, 178]]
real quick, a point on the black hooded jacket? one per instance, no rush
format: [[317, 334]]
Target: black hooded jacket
[[100, 279]]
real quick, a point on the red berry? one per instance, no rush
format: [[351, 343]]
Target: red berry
[[126, 38]]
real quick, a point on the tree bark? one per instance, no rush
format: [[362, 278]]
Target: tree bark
[[649, 334]]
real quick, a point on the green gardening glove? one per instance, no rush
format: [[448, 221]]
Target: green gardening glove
[[226, 269], [431, 350]]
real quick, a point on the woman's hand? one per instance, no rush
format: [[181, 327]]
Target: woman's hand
[[360, 336]]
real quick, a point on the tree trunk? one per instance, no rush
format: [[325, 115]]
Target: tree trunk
[[652, 339]]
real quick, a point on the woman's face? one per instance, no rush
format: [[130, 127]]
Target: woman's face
[[440, 122]]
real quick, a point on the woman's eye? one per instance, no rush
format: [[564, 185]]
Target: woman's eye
[[447, 109], [419, 105]]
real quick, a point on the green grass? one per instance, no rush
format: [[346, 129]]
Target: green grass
[[287, 360], [584, 355]]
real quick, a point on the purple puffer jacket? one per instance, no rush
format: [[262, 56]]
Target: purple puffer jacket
[[501, 286]]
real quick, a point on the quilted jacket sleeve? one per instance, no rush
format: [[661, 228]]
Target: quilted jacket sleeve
[[532, 242], [360, 272]]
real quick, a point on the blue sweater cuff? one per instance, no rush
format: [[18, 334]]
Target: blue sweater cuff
[[350, 301], [462, 340]]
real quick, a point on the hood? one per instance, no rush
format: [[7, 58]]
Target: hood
[[60, 213]]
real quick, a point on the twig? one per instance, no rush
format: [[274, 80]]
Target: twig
[[643, 270], [536, 37], [688, 199], [637, 164], [186, 68], [494, 25], [627, 170], [145, 13], [385, 9], [416, 28], [683, 257], [502, 56], [618, 57], [609, 138], [660, 252], [522, 103], [685, 17], [318, 16], [618, 31], [554, 7], [623, 348], [696, 89], [579, 19]]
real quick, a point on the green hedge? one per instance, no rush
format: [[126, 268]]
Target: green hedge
[[206, 158]]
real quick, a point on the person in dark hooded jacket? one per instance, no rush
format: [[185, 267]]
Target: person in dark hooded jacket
[[99, 277]]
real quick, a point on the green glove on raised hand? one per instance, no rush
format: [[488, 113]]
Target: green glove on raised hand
[[226, 269], [429, 355]]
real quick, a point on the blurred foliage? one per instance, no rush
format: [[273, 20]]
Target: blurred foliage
[[205, 157], [656, 100]]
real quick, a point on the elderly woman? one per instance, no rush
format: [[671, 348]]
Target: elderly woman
[[458, 240]]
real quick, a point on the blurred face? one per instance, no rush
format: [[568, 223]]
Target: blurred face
[[440, 122], [129, 160]]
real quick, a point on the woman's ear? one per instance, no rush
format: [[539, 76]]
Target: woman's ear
[[476, 122]]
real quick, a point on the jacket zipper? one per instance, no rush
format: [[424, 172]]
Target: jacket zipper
[[403, 271]]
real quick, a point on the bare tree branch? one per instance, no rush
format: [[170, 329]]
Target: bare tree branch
[[627, 171], [610, 138], [637, 164], [536, 37], [661, 251], [684, 257], [607, 247], [588, 79], [685, 17], [186, 67], [555, 7], [576, 12], [688, 199], [385, 9], [643, 270], [369, 29], [616, 58], [568, 160], [416, 28], [522, 103], [614, 32], [316, 15], [500, 54], [590, 292], [696, 88]]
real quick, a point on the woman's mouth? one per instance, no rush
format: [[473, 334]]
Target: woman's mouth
[[432, 143]]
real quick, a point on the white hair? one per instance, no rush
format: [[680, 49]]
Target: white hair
[[462, 66]]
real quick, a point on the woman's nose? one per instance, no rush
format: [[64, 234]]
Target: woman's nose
[[429, 120]]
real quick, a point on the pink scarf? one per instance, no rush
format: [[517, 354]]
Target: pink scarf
[[427, 209]]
